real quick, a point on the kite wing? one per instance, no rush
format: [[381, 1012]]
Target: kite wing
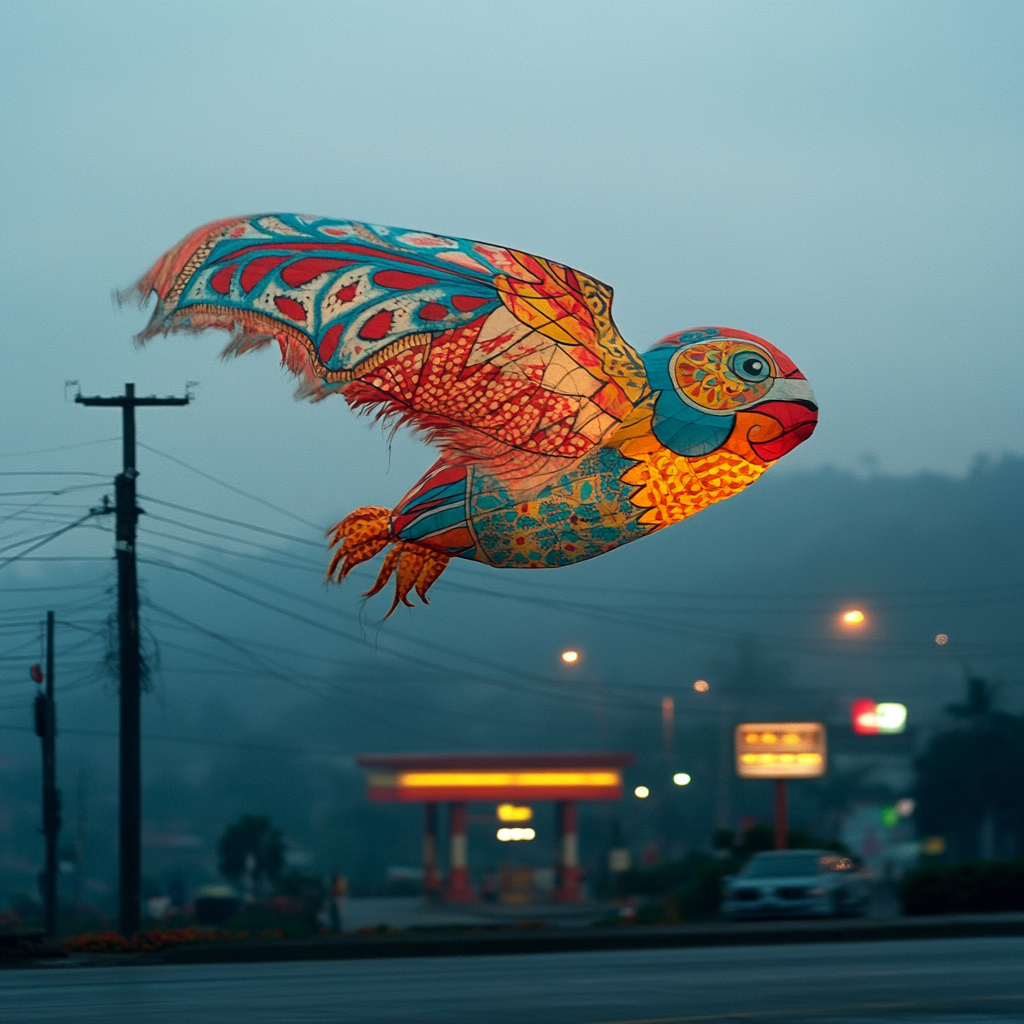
[[500, 357]]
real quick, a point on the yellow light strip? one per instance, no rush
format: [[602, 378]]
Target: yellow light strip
[[430, 780], [781, 758]]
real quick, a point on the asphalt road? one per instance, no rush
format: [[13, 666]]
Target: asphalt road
[[947, 981]]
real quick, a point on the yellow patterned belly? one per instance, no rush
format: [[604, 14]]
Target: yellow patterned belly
[[671, 487]]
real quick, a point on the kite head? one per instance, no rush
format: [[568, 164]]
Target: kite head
[[721, 388]]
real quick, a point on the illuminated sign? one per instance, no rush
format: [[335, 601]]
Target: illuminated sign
[[509, 812], [780, 750], [871, 719]]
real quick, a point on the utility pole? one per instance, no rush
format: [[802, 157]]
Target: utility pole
[[127, 513], [46, 730]]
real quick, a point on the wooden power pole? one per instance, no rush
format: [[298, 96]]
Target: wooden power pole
[[127, 513]]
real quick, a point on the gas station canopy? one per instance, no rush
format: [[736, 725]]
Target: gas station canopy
[[417, 778]]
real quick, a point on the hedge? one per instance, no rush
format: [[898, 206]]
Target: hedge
[[977, 888]]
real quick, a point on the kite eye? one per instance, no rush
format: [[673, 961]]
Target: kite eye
[[751, 366]]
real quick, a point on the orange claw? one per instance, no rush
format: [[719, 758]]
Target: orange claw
[[359, 536], [417, 567], [365, 533]]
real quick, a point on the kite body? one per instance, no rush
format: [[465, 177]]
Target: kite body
[[559, 441]]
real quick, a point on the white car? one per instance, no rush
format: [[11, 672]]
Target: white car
[[796, 883]]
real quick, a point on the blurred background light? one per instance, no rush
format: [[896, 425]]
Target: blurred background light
[[515, 835], [870, 718]]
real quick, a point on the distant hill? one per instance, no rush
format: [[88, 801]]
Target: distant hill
[[744, 595]]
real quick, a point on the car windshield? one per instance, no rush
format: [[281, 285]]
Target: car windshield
[[788, 865]]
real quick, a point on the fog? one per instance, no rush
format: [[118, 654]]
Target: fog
[[844, 180]]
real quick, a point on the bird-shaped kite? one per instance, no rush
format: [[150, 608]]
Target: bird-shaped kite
[[558, 441]]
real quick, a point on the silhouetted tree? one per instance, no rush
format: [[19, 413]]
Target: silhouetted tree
[[253, 836], [972, 777], [980, 702]]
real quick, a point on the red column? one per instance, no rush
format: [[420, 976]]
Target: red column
[[567, 869], [457, 890], [781, 815], [431, 877]]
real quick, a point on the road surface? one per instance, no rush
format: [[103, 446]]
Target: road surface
[[945, 981]]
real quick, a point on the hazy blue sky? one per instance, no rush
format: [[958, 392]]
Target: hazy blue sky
[[843, 179]]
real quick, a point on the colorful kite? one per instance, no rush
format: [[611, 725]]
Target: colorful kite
[[558, 441]]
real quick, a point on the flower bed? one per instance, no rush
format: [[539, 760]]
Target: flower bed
[[161, 938]]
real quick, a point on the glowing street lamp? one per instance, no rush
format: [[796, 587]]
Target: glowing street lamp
[[641, 792], [853, 618], [570, 657], [681, 779], [701, 686]]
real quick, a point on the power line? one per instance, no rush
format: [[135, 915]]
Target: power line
[[741, 596], [46, 540], [56, 493], [262, 558], [190, 740], [48, 472], [288, 674], [84, 585], [59, 448], [232, 522], [231, 487], [66, 558], [153, 517], [448, 652], [547, 693]]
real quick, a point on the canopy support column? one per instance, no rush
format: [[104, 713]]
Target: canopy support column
[[568, 870], [458, 890], [781, 814], [431, 876]]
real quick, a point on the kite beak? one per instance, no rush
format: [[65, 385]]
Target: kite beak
[[781, 427]]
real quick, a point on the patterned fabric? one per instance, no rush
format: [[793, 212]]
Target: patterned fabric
[[499, 356], [559, 442]]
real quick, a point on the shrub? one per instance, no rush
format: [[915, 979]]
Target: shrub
[[981, 887]]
